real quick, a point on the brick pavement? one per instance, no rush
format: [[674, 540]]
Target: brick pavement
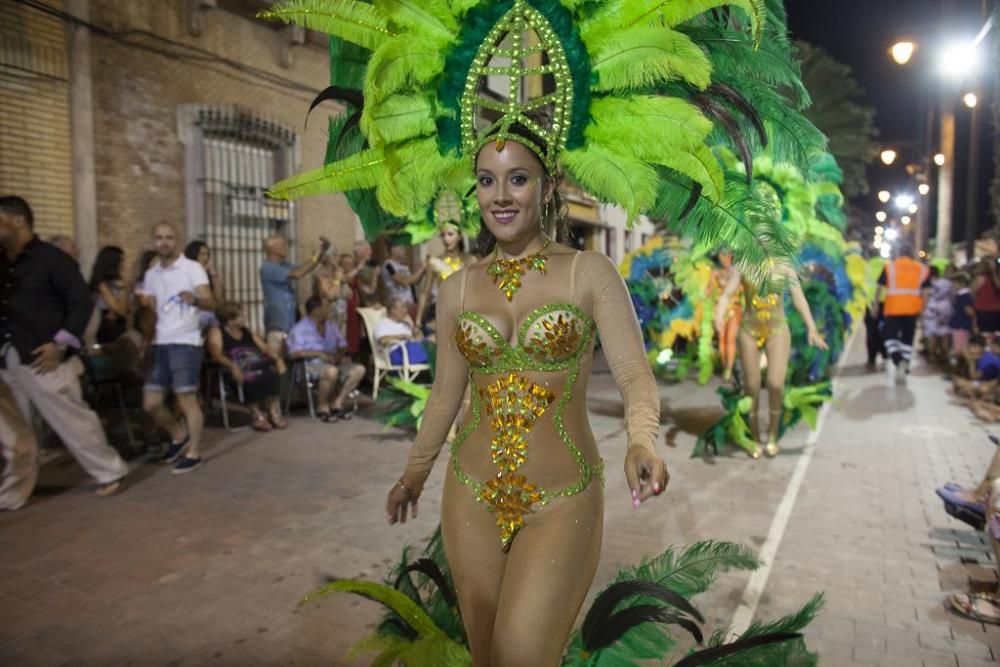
[[208, 568], [869, 530]]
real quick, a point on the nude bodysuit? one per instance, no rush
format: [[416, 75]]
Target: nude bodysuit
[[520, 510]]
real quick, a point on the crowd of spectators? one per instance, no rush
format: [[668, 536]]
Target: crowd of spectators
[[167, 325]]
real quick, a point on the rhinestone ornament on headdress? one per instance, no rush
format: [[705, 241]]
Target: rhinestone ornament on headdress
[[522, 34]]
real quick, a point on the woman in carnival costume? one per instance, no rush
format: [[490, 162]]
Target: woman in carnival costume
[[622, 99], [450, 219], [730, 328]]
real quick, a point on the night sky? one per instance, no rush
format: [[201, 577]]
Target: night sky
[[859, 33]]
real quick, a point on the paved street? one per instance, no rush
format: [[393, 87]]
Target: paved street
[[208, 568]]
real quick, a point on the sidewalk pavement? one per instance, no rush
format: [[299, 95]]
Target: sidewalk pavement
[[869, 530], [208, 568]]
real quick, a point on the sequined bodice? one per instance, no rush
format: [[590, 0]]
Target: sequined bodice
[[548, 338], [554, 337]]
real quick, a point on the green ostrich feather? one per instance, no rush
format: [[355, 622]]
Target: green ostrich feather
[[357, 22]]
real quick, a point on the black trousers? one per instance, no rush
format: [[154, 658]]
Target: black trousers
[[898, 332], [873, 336]]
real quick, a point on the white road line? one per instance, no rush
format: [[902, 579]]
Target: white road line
[[758, 580]]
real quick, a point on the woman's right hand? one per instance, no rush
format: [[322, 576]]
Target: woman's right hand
[[237, 375], [399, 503]]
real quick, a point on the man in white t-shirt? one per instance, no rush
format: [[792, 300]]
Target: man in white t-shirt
[[176, 288]]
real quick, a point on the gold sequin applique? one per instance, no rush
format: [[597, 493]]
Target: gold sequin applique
[[473, 346], [507, 273], [513, 403], [558, 339], [762, 317]]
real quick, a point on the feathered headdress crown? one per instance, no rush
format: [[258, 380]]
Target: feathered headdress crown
[[620, 94]]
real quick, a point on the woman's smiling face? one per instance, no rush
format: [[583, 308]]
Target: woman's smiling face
[[511, 186]]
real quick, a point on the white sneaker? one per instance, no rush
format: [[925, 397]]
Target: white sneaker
[[903, 372]]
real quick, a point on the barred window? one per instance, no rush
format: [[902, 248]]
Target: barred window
[[231, 159]]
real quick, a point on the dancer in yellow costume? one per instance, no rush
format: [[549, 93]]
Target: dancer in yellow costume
[[764, 328], [442, 266]]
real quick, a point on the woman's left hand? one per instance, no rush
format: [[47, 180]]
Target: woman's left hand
[[816, 340], [645, 472]]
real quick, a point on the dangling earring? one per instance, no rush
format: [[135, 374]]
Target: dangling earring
[[545, 215]]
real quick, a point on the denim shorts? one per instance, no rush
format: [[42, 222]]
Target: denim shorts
[[176, 367]]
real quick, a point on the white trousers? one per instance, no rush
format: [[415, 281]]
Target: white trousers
[[58, 399]]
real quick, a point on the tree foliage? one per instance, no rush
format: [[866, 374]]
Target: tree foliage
[[837, 110]]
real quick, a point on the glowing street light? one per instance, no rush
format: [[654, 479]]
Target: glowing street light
[[891, 234], [905, 220], [888, 156], [902, 52], [912, 209], [939, 159], [970, 100], [923, 189], [884, 196], [880, 216], [903, 201], [879, 230], [886, 251], [959, 59]]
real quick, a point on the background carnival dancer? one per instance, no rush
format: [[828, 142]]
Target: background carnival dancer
[[903, 281], [441, 268], [729, 331], [764, 327]]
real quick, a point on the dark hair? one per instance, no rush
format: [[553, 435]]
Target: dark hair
[[192, 249], [314, 302], [961, 278], [145, 261], [555, 224], [227, 312], [14, 205], [107, 266], [977, 340]]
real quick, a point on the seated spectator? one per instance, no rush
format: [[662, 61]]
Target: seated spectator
[[397, 327], [243, 353], [319, 342], [110, 293], [983, 371]]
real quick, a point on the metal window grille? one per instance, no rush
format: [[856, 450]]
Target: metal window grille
[[232, 159]]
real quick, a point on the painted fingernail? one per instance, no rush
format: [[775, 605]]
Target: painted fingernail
[[635, 502], [656, 487], [635, 494]]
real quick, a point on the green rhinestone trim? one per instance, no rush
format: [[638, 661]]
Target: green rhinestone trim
[[520, 19], [517, 359]]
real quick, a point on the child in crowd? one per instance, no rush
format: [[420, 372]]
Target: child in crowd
[[982, 367], [963, 316]]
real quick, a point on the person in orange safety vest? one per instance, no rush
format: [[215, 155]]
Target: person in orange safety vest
[[903, 282]]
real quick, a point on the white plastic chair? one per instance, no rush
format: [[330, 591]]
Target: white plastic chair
[[380, 356]]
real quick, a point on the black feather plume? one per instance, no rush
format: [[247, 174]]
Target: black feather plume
[[615, 627], [348, 96], [714, 110], [742, 104], [715, 653], [430, 569]]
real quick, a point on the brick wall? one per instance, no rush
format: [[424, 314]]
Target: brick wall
[[139, 156], [35, 158]]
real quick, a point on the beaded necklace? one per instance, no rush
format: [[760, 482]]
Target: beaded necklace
[[508, 272]]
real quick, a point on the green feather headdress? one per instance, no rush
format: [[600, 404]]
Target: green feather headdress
[[621, 95]]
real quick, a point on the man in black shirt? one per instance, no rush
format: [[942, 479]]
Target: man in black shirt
[[44, 308]]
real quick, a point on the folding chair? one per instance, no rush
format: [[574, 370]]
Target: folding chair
[[380, 356], [225, 394]]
